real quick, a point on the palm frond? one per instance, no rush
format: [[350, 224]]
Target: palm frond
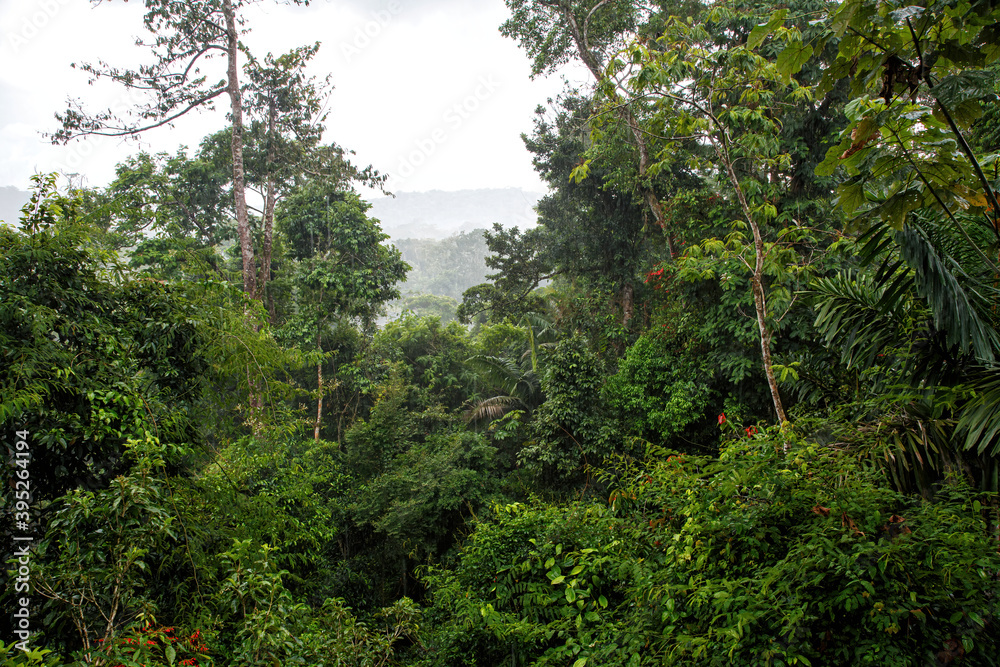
[[862, 318], [500, 372], [980, 419], [492, 408], [955, 299], [540, 330]]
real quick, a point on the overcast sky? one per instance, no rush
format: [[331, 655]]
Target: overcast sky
[[425, 90]]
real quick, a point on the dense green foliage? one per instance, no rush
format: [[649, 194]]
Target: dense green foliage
[[753, 557], [729, 403]]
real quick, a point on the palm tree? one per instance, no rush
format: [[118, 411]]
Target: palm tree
[[517, 381], [923, 326]]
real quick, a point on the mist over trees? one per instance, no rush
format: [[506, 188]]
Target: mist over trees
[[734, 399]]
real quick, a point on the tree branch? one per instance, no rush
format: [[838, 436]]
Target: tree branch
[[64, 138], [586, 22]]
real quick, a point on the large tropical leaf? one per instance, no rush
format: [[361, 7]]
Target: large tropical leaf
[[493, 407], [518, 384], [859, 317], [980, 420], [954, 297]]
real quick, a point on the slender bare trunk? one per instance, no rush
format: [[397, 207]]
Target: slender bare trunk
[[270, 200], [765, 345], [255, 400], [760, 305], [239, 180], [756, 279], [319, 385]]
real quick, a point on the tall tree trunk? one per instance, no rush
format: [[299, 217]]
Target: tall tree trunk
[[628, 303], [239, 179], [756, 277], [255, 400], [319, 385], [270, 201], [625, 115]]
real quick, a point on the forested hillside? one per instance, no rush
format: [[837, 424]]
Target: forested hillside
[[735, 400], [440, 236], [440, 272]]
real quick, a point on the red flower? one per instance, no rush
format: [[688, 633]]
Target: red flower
[[722, 419], [751, 431]]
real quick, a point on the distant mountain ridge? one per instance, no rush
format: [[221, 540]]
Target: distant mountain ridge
[[439, 214]]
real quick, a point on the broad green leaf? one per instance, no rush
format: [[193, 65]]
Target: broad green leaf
[[955, 89], [760, 32], [792, 58]]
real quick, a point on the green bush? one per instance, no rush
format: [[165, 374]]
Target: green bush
[[11, 656], [777, 552], [571, 429], [770, 557], [660, 390]]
